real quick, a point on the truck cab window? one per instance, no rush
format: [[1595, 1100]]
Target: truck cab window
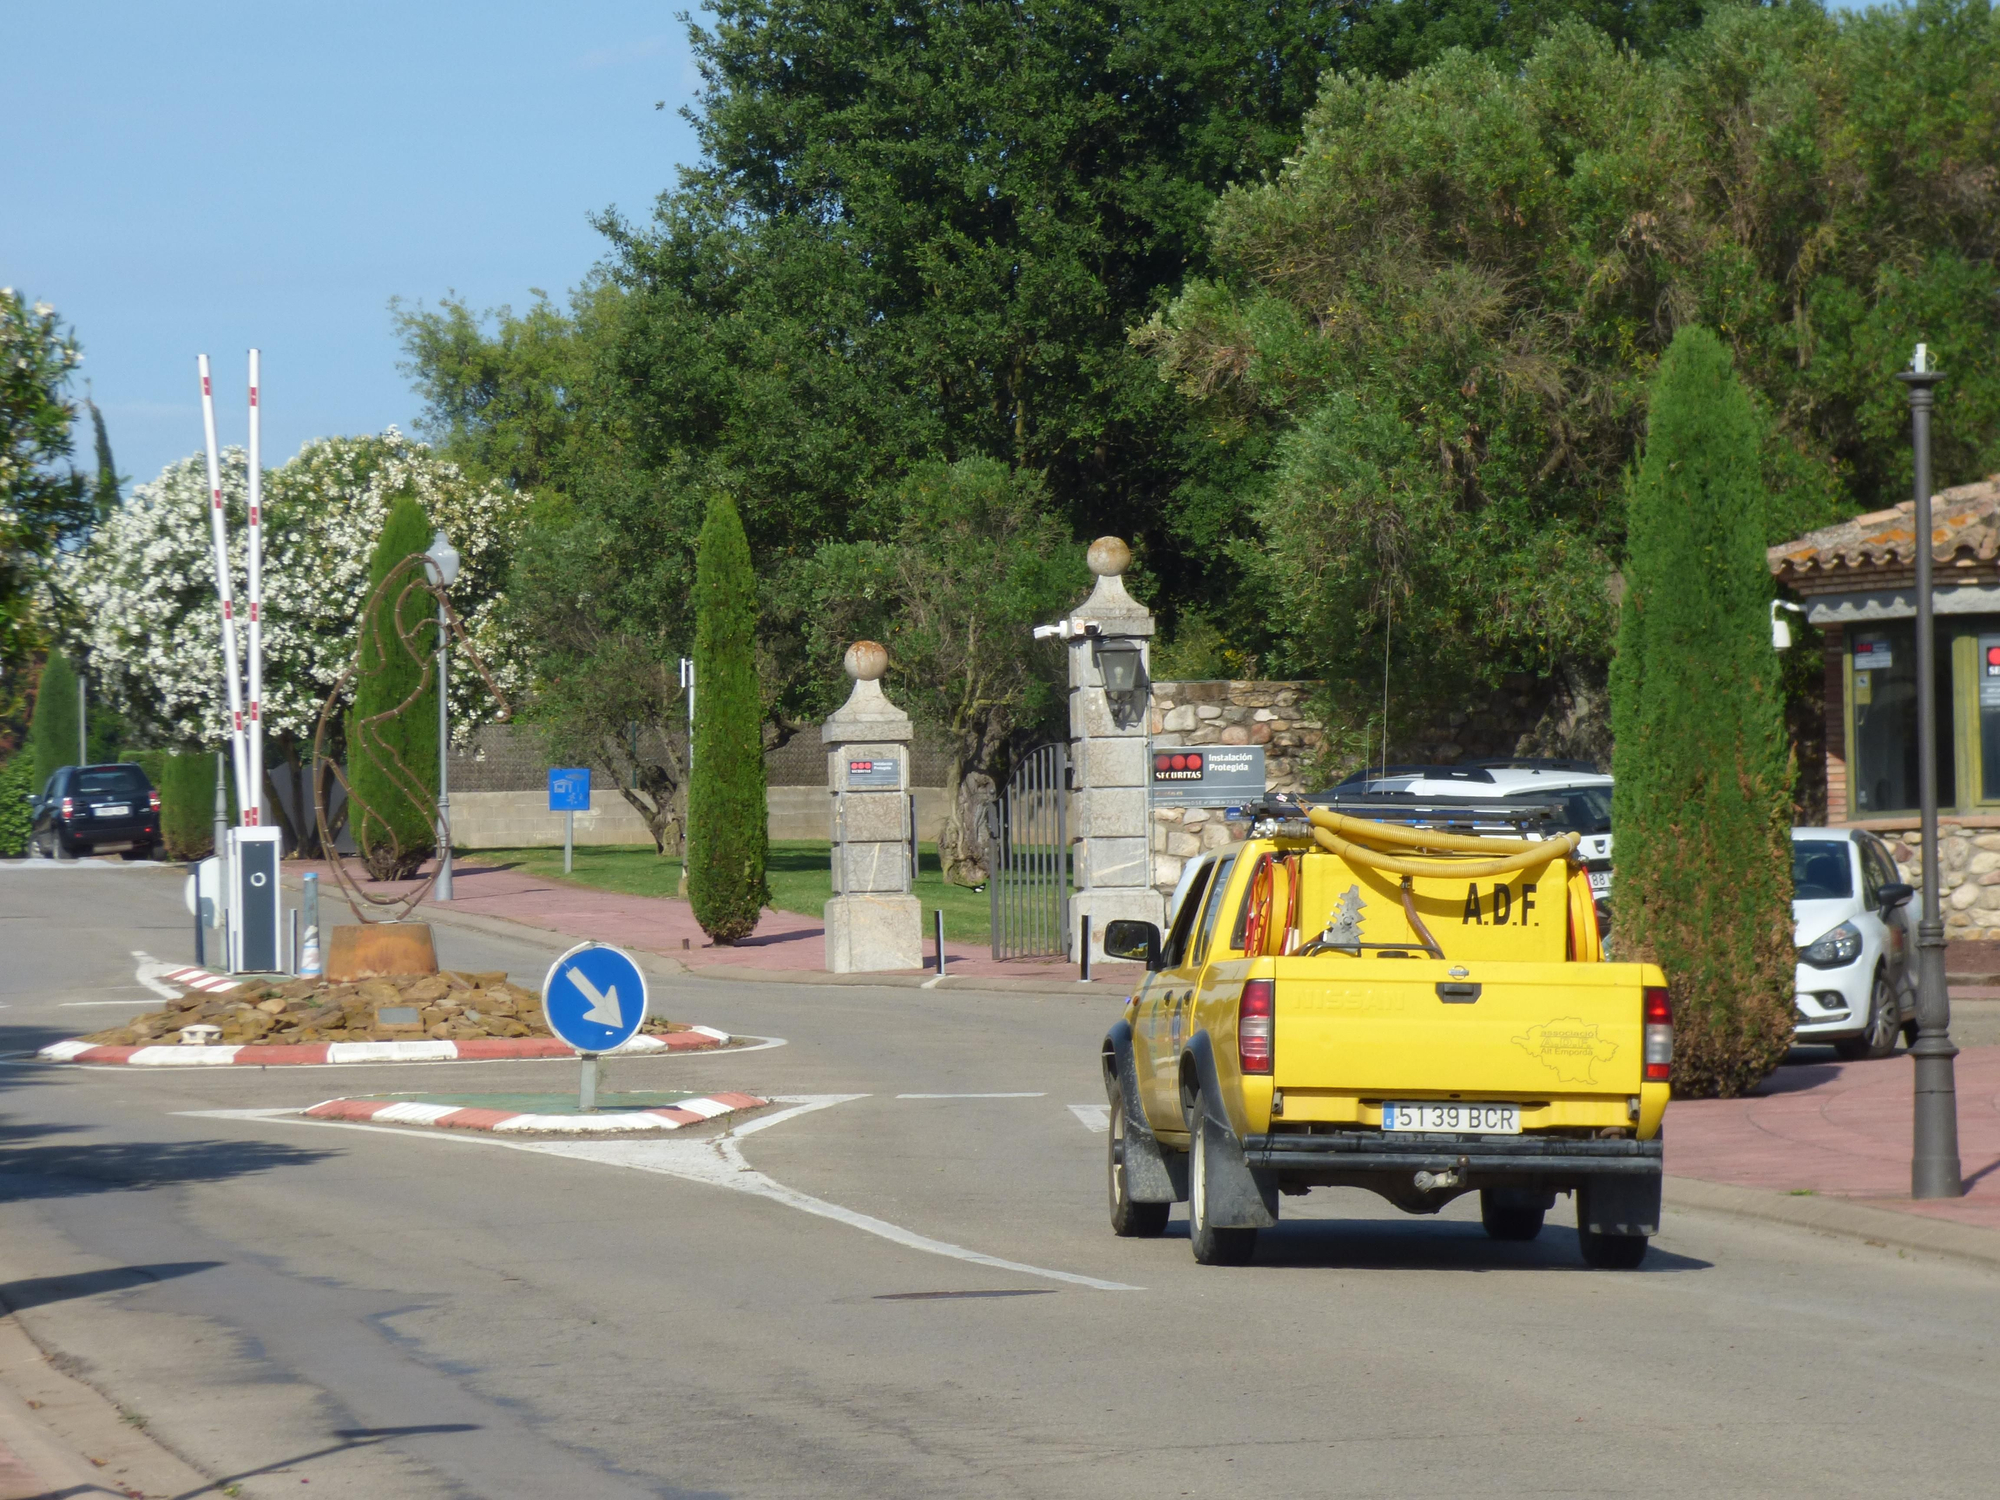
[[1174, 950], [1218, 883]]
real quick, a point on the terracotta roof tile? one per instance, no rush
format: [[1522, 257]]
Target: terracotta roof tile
[[1965, 528]]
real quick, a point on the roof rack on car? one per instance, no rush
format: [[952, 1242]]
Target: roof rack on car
[[1539, 763], [1465, 815], [1474, 772]]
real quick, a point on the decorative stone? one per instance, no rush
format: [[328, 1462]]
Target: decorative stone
[[1108, 557], [866, 661]]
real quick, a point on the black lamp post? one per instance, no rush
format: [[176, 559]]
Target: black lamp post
[[1934, 1161]]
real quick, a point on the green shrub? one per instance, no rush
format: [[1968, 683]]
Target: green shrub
[[392, 765], [1702, 805], [727, 821], [52, 734], [186, 784], [17, 784]]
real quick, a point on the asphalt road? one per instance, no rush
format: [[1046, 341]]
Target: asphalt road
[[383, 1313]]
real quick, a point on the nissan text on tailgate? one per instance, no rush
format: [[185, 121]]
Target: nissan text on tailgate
[[1406, 997]]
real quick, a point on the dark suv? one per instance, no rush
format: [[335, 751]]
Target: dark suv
[[95, 810]]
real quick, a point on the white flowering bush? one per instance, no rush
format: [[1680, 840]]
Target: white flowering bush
[[145, 585]]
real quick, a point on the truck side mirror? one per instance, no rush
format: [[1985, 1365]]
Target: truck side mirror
[[1126, 938], [1895, 894]]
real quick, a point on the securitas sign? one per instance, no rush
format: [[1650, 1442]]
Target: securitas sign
[[1207, 775]]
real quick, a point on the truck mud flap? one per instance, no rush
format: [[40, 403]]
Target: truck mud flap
[[1625, 1204], [1238, 1198], [1153, 1174]]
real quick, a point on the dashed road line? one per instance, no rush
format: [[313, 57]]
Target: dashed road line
[[1096, 1117], [972, 1096]]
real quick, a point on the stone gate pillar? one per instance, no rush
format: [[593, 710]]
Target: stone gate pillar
[[873, 921], [1112, 765]]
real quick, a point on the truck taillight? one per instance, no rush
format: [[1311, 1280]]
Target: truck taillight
[[1254, 1026], [1659, 1052]]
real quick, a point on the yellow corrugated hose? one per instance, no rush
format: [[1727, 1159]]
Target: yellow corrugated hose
[[1519, 854]]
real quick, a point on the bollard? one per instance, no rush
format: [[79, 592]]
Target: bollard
[[1083, 977], [297, 947], [310, 966], [938, 914], [200, 929]]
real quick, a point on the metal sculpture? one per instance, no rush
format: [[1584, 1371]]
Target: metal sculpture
[[365, 734]]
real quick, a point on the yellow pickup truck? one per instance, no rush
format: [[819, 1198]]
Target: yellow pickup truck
[[1406, 997]]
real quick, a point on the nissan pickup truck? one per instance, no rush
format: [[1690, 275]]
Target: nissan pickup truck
[[1401, 996]]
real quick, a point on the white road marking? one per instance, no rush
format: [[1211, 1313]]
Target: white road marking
[[972, 1096], [150, 970], [1096, 1117], [74, 1004], [715, 1163]]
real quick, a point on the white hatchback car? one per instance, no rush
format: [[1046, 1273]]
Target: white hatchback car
[[1856, 981]]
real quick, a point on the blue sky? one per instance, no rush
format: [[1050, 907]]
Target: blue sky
[[182, 179]]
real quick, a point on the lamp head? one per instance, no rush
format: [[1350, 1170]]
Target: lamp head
[[443, 559]]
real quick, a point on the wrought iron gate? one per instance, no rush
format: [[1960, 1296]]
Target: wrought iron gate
[[1028, 856]]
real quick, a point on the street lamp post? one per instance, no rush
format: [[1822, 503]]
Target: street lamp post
[[1934, 1160], [442, 564]]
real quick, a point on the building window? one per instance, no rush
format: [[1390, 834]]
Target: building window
[[1882, 693], [1882, 716]]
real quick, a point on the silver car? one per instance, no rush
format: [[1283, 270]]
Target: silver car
[[1856, 979]]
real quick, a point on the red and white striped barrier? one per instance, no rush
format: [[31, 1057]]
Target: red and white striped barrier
[[278, 1054], [508, 1122]]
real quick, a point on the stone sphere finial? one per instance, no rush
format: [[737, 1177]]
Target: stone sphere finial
[[866, 661], [1109, 556]]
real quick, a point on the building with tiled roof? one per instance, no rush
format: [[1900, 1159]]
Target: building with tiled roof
[[1857, 582]]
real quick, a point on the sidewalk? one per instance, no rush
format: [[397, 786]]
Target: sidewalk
[[785, 945], [1842, 1130]]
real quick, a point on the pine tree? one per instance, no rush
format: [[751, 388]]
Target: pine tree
[[727, 821], [392, 765], [1702, 806], [52, 734]]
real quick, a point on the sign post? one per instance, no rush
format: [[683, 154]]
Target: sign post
[[569, 794], [595, 1000]]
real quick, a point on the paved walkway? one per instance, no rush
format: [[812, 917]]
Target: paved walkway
[[1843, 1130], [784, 942]]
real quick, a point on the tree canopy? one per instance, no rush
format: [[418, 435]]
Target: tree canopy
[[1448, 305]]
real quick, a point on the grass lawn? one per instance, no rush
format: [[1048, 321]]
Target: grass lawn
[[800, 874]]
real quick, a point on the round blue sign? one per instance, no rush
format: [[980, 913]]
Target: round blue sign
[[594, 998]]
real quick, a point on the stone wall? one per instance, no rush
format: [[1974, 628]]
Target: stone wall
[[1969, 867], [1272, 714]]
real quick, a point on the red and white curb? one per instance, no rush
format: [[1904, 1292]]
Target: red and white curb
[[507, 1122], [310, 1054]]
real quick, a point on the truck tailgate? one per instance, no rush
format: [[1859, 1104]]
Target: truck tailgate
[[1417, 1028]]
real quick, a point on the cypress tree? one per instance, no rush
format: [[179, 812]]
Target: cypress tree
[[104, 489], [52, 733], [186, 784], [1702, 805], [727, 822], [392, 765]]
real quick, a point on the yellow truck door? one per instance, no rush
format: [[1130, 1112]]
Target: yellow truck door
[[1153, 1027]]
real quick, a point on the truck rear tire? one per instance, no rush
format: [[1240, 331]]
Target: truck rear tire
[[1611, 1252], [1510, 1215], [1129, 1220], [1211, 1246]]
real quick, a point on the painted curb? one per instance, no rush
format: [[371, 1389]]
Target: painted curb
[[1839, 1216], [505, 1122], [315, 1054]]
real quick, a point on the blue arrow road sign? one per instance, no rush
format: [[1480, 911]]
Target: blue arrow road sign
[[594, 998], [569, 789]]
